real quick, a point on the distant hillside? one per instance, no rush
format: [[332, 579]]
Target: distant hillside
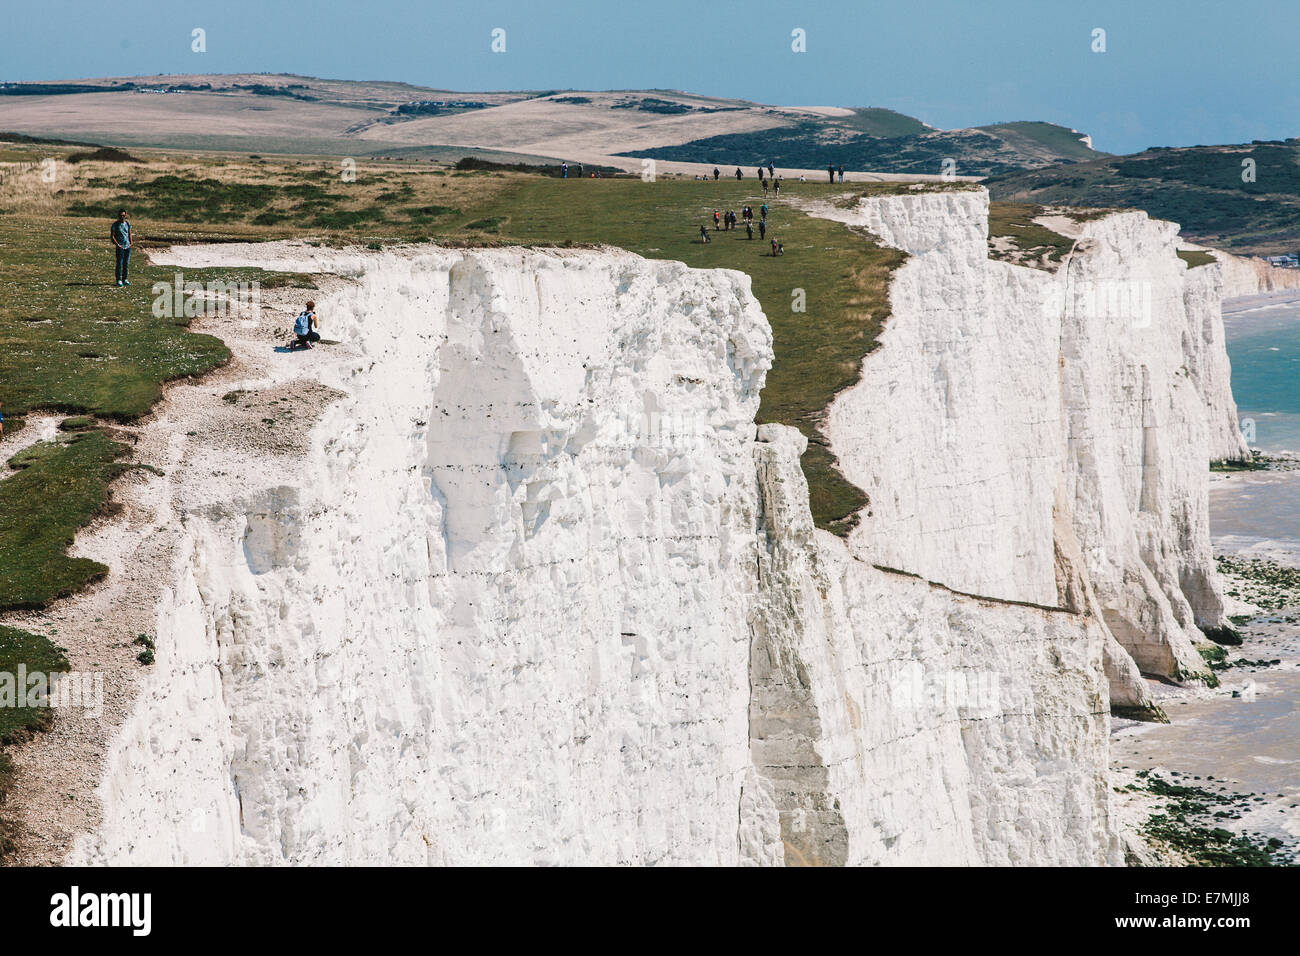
[[283, 113], [1200, 187], [890, 142]]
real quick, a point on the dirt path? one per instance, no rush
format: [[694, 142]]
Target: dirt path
[[239, 410]]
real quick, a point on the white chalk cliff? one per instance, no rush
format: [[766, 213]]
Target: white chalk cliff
[[543, 593]]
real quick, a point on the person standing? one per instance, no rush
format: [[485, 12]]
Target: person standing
[[762, 228], [715, 220], [830, 173], [739, 174], [841, 172], [771, 170], [716, 173], [120, 233], [749, 230], [763, 210], [704, 233], [776, 186]]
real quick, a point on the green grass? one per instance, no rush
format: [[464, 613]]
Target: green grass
[[1032, 241], [58, 305], [1195, 258], [58, 487], [819, 352], [38, 655]]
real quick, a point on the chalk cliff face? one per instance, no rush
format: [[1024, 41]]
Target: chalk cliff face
[[1012, 417], [542, 593]]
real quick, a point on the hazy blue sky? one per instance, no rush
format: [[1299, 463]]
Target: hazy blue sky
[[1174, 73]]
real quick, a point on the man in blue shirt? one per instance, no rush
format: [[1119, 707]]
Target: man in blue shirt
[[120, 233]]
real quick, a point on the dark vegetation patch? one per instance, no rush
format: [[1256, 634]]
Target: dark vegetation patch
[[475, 164], [1191, 824], [815, 145], [1259, 581], [62, 89], [105, 154]]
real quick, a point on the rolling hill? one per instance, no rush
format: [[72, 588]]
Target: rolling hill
[[1208, 189], [305, 115]]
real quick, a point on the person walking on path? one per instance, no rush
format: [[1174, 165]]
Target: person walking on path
[[739, 174], [749, 230], [715, 220], [771, 171], [120, 233], [765, 188], [763, 210], [704, 233], [760, 174], [306, 327], [564, 170], [762, 228], [776, 186]]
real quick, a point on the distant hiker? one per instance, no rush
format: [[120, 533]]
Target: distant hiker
[[580, 171], [841, 172], [704, 234], [715, 219], [771, 170], [765, 187], [830, 172], [780, 248], [120, 233], [739, 174], [760, 174], [762, 228], [774, 247], [305, 327], [716, 173], [776, 186], [763, 210], [749, 231]]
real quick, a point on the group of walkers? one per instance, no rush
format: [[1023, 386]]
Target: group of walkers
[[727, 221]]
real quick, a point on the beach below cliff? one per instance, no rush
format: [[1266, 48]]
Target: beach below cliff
[[1233, 749]]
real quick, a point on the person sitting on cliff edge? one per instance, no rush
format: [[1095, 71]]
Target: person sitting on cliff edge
[[305, 327]]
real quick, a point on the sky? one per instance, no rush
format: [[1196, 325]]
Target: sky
[[1171, 74]]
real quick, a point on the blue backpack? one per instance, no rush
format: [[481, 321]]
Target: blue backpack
[[302, 324]]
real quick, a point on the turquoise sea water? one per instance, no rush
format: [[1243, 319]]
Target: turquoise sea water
[[1263, 337]]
